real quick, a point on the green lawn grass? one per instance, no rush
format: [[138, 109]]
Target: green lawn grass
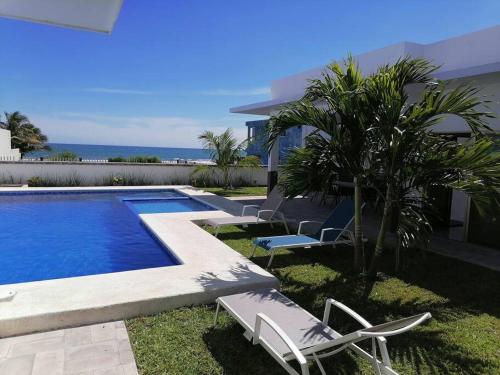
[[462, 338], [238, 192]]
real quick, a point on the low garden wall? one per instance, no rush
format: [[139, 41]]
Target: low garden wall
[[40, 173]]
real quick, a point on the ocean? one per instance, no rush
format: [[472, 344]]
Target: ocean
[[102, 152]]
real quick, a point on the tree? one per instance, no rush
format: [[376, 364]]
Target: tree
[[24, 135], [369, 129], [335, 106], [411, 157], [226, 153]]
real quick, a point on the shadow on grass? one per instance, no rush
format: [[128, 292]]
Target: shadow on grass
[[242, 357], [457, 294], [424, 350]]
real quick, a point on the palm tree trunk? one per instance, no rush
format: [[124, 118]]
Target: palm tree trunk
[[225, 177], [359, 259], [397, 264], [382, 232]]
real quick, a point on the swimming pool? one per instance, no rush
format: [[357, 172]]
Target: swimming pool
[[54, 235]]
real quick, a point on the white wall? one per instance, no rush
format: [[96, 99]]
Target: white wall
[[474, 53], [489, 86], [97, 174], [6, 153]]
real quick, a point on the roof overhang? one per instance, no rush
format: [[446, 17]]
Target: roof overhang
[[264, 108], [472, 71], [92, 15]]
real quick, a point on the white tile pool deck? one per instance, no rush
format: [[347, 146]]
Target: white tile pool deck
[[100, 349], [210, 269]]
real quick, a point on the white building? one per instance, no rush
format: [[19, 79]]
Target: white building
[[473, 58], [6, 152]]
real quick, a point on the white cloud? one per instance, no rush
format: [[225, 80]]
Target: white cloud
[[103, 90], [235, 92], [135, 131], [256, 91]]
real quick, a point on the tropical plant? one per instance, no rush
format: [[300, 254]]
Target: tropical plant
[[24, 135], [410, 157], [337, 150], [65, 156], [369, 129], [117, 159], [144, 159], [135, 159], [227, 154]]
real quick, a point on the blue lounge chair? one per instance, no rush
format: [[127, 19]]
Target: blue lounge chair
[[332, 232]]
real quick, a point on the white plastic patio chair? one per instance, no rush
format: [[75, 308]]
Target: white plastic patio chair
[[288, 332]]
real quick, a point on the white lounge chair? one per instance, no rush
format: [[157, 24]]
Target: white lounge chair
[[288, 332], [266, 214]]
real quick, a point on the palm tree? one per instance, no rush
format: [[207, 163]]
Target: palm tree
[[337, 147], [368, 128], [24, 135], [226, 153], [410, 157]]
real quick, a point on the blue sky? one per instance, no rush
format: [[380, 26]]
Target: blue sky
[[173, 68]]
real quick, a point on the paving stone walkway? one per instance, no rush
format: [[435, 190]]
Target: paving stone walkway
[[100, 349]]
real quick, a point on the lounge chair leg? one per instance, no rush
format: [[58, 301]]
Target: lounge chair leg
[[253, 251], [320, 366], [216, 231], [216, 314], [286, 227], [270, 260], [376, 366], [384, 354]]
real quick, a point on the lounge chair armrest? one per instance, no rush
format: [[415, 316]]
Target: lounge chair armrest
[[248, 206], [283, 336], [342, 230], [331, 302], [262, 211], [353, 314], [307, 222]]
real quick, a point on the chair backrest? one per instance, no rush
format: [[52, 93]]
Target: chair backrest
[[396, 326], [341, 217], [273, 201], [381, 330]]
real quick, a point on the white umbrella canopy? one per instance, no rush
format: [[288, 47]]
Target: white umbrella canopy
[[93, 15]]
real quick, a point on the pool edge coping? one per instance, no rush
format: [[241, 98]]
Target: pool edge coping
[[145, 294]]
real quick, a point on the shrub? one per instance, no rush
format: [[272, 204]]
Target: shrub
[[128, 180], [144, 159], [51, 181], [35, 181], [118, 159], [135, 159], [65, 156]]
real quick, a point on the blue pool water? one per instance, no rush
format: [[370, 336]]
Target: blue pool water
[[52, 236], [156, 206]]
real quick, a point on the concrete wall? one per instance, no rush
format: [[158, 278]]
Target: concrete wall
[[99, 174], [6, 153]]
